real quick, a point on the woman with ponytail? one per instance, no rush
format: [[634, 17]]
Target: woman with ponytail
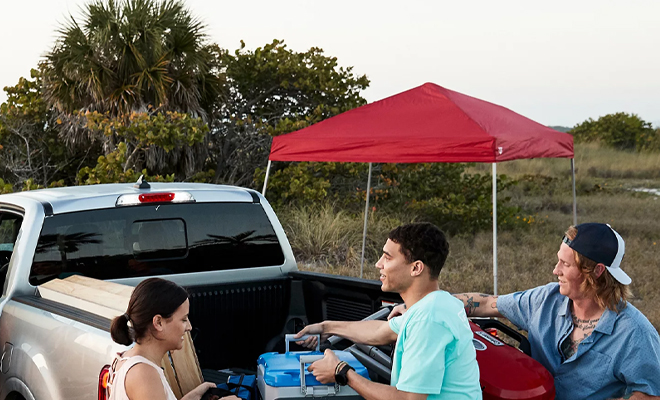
[[156, 321]]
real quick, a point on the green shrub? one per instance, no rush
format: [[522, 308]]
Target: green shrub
[[621, 130], [299, 184], [444, 194]]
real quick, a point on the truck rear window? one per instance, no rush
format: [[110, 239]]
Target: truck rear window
[[155, 240]]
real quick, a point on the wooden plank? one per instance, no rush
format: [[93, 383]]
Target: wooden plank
[[82, 297], [170, 375], [109, 299], [110, 287], [187, 366]]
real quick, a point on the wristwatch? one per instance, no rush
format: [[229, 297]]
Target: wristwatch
[[341, 374]]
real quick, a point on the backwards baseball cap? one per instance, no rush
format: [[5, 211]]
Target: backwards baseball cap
[[602, 244]]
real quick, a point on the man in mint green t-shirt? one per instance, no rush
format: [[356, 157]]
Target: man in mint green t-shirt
[[434, 357]]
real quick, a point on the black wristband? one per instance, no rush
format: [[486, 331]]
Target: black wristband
[[339, 366], [342, 376]]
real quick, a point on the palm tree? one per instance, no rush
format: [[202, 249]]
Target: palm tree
[[127, 56]]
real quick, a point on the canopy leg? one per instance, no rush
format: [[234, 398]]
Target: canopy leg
[[574, 193], [495, 229], [263, 191], [364, 231]]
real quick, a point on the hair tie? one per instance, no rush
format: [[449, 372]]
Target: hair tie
[[128, 319]]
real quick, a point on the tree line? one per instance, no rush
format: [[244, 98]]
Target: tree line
[[136, 87]]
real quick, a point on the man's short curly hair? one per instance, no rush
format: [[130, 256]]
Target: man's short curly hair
[[424, 242]]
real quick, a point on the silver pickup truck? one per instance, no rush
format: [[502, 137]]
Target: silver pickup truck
[[224, 244]]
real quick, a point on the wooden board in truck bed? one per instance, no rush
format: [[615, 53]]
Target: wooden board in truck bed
[[109, 300]]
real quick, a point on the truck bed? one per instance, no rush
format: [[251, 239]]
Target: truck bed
[[233, 323]]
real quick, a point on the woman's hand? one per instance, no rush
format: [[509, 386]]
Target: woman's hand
[[198, 392]]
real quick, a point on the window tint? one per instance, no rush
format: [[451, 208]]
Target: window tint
[[155, 240], [159, 239]]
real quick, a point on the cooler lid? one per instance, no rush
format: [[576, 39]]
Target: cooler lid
[[283, 370]]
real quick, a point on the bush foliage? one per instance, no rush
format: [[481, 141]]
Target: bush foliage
[[621, 131], [444, 194]]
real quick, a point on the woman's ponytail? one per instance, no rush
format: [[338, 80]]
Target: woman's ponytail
[[151, 297], [119, 330]]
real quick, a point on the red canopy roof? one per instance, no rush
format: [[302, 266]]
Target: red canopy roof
[[425, 124]]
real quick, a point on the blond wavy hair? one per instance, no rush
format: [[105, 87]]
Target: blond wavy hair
[[607, 291]]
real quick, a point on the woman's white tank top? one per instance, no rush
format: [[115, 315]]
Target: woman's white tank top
[[117, 379]]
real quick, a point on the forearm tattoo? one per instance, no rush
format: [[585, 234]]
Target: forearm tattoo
[[471, 306]]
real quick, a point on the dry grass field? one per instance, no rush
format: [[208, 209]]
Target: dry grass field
[[327, 240]]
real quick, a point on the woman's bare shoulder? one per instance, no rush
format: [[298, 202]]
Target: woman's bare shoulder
[[143, 382]]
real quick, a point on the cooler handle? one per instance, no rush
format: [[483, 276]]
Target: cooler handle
[[318, 391], [292, 338]]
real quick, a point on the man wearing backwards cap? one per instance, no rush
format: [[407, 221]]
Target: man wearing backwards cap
[[582, 329]]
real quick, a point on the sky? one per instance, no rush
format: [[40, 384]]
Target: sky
[[558, 63]]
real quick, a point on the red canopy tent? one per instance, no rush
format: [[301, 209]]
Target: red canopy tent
[[426, 124]]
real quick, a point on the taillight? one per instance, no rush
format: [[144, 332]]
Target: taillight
[[103, 382], [158, 197], [492, 331]]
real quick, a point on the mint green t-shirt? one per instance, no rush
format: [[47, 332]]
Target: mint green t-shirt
[[434, 352]]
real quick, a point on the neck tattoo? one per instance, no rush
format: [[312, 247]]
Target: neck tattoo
[[585, 324]]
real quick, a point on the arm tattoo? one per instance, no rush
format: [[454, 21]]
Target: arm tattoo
[[471, 306]]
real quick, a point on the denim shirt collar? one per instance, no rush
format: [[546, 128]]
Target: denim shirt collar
[[606, 323], [565, 307]]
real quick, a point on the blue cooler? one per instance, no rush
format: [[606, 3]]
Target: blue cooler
[[278, 375]]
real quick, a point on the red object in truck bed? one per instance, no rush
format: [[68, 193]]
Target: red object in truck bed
[[508, 373]]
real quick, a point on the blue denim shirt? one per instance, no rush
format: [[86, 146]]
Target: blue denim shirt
[[622, 354]]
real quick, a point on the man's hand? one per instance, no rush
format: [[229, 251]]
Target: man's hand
[[372, 332], [398, 310], [324, 369], [314, 329], [324, 372]]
